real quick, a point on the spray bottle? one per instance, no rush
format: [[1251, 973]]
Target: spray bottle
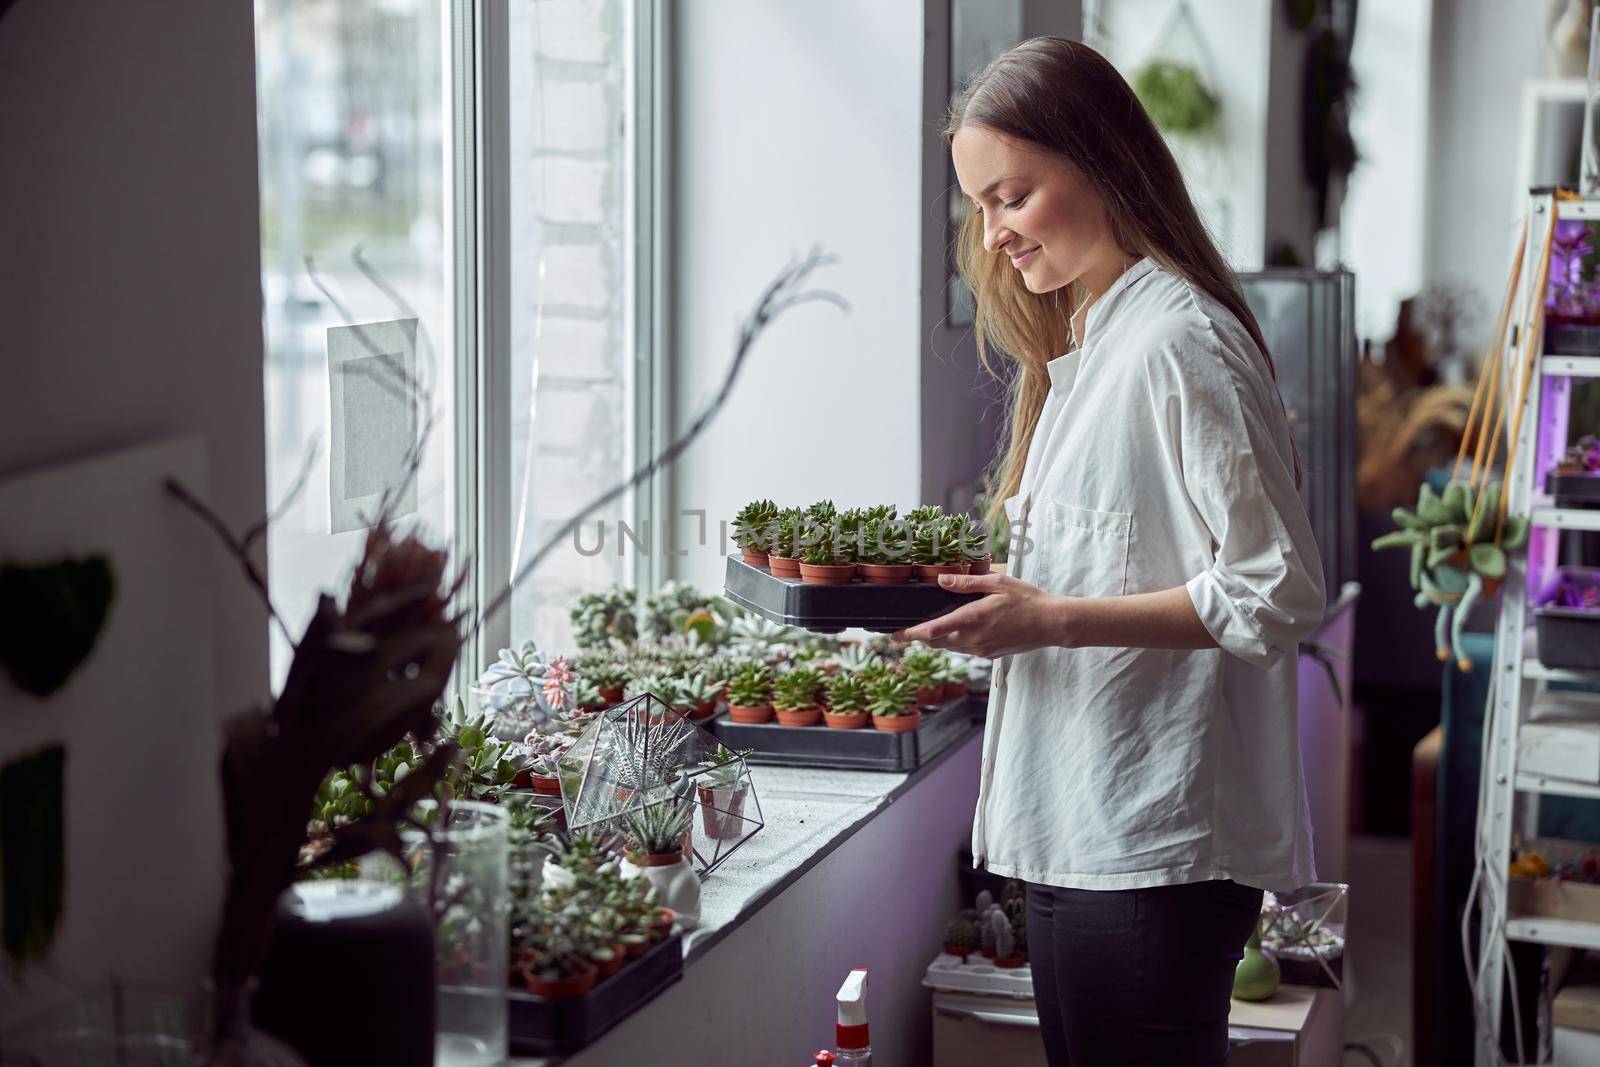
[[855, 1050]]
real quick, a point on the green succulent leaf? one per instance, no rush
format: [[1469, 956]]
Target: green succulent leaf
[[1488, 510], [1447, 536], [1455, 501], [1407, 520], [1515, 532], [1488, 560], [1397, 539], [1430, 509], [1417, 551]]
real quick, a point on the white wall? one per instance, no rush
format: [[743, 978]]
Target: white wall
[[797, 123], [1386, 206], [130, 311], [1229, 184], [1482, 51]]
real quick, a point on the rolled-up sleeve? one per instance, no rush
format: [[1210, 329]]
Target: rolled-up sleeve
[[1263, 591]]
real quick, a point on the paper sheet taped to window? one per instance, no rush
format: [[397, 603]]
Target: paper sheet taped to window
[[373, 416]]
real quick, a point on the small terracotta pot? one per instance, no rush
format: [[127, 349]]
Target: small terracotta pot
[[573, 985], [954, 690], [546, 787], [1009, 962], [655, 859], [661, 926], [605, 969], [748, 715], [986, 953], [703, 710], [636, 949], [611, 695], [885, 573], [897, 724], [799, 716], [854, 721], [979, 566], [929, 695], [754, 557], [783, 566], [929, 572], [827, 573], [953, 950]]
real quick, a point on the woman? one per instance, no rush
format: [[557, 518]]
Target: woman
[[1141, 764]]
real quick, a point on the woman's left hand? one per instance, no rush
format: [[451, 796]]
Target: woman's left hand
[[1013, 616]]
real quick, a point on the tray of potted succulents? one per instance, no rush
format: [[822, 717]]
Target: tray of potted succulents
[[1575, 480], [588, 945], [868, 714], [986, 948], [826, 570]]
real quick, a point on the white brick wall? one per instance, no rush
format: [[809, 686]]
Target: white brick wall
[[572, 136]]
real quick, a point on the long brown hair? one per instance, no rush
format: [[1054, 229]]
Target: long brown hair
[[1063, 97]]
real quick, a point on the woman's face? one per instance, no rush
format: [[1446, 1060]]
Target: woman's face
[[1037, 209]]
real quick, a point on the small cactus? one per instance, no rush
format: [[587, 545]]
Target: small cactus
[[986, 931], [985, 901], [960, 937], [1014, 890], [1005, 940]]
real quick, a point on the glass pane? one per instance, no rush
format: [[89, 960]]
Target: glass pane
[[353, 107], [573, 265]]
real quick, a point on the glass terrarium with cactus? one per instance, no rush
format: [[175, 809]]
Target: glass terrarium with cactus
[[847, 702], [794, 697], [892, 700], [753, 530], [750, 693]]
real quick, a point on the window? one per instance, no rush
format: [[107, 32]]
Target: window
[[356, 228], [468, 173]]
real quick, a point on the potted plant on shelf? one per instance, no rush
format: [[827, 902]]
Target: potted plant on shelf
[[925, 514], [608, 677], [752, 530], [960, 938], [886, 552], [550, 961], [933, 552], [750, 693], [892, 700], [721, 788], [953, 675], [544, 753], [655, 833], [921, 665], [794, 697], [783, 553], [700, 695], [1005, 941], [847, 702]]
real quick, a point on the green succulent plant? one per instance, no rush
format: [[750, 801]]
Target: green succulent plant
[[891, 694], [657, 827], [724, 768], [1455, 555], [1175, 97], [847, 694], [786, 532], [961, 934], [600, 618], [933, 543], [885, 542], [921, 665], [853, 658], [699, 688], [797, 689], [751, 685], [925, 513], [752, 527]]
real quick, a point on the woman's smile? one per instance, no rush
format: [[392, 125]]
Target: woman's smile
[[1021, 260]]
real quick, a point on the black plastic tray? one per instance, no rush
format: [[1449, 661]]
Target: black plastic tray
[[1569, 639], [543, 1026], [830, 608], [1574, 490], [1573, 339], [865, 749]]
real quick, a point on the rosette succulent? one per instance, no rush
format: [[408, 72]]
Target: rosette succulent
[[751, 686], [753, 526], [797, 689], [598, 619], [847, 694], [892, 693]]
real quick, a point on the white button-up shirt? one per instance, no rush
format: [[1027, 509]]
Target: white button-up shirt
[[1162, 458]]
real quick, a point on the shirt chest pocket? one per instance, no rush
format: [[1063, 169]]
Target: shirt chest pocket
[[1080, 551]]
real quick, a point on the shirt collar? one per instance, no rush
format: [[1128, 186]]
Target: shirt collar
[[1063, 370], [1127, 278]]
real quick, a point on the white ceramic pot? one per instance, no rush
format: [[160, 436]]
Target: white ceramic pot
[[677, 887]]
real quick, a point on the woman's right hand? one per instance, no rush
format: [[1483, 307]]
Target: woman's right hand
[[1012, 617]]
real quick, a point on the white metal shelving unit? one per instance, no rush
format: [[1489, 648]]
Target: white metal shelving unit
[[1509, 800]]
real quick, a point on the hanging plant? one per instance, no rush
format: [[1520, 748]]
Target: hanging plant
[[1176, 97]]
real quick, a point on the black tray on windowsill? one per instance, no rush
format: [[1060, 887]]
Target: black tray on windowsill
[[829, 609], [865, 749], [546, 1026]]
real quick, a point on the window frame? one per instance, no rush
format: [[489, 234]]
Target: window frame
[[483, 199]]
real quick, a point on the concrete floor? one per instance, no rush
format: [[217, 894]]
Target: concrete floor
[[1378, 968]]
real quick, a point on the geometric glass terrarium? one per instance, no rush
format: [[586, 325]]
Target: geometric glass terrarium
[[643, 753]]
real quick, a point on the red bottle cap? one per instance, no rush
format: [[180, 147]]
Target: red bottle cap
[[851, 1036], [822, 1058]]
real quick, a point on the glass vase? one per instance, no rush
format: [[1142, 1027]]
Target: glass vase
[[460, 878]]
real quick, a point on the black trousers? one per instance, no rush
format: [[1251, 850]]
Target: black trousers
[[1137, 976]]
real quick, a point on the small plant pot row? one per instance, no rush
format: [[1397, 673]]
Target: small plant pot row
[[588, 973], [821, 545], [818, 715]]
